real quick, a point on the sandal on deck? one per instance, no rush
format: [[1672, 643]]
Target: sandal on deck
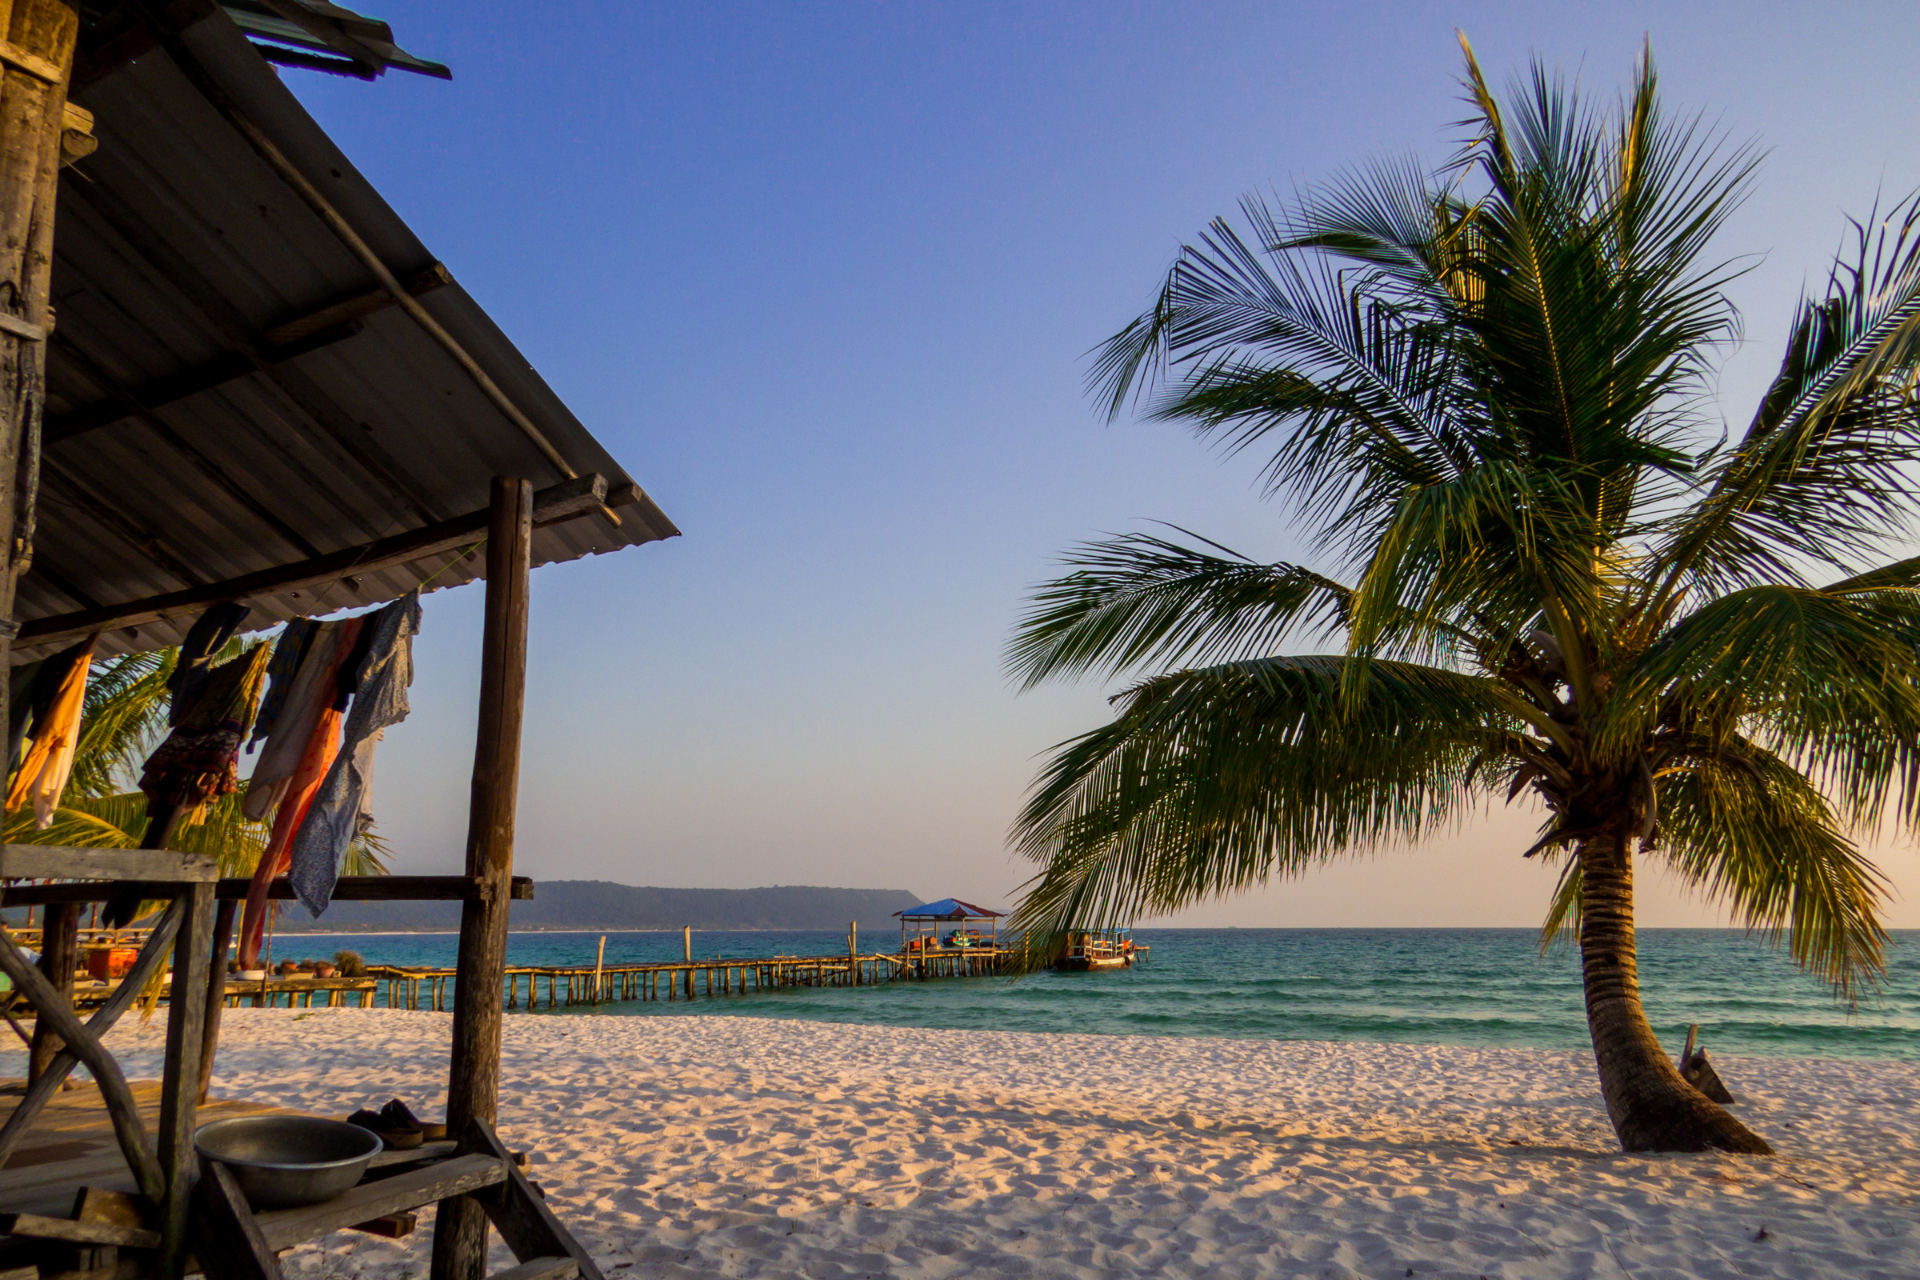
[[397, 1138], [398, 1114]]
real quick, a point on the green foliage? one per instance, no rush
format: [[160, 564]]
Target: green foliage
[[1485, 389], [124, 718]]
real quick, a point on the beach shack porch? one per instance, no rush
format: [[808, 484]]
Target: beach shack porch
[[230, 375]]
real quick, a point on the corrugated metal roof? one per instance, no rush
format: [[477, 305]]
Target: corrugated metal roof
[[177, 250]]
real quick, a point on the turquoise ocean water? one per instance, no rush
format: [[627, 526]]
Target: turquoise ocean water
[[1432, 986]]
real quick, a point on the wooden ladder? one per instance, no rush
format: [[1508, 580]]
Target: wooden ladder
[[235, 1243]]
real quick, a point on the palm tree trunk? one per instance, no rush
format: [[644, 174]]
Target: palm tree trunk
[[1652, 1107]]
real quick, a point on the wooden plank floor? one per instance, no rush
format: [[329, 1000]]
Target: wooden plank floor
[[71, 1145]]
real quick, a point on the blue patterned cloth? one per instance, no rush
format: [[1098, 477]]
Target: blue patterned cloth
[[337, 813]]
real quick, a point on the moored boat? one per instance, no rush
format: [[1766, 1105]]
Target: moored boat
[[1088, 950]]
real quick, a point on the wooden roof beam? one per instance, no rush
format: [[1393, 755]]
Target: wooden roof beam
[[78, 494], [321, 327], [207, 467], [158, 21], [557, 502], [39, 568], [172, 268]]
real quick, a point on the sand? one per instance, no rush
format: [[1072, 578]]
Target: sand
[[724, 1146]]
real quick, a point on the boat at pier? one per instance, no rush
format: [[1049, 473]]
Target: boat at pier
[[1093, 949]]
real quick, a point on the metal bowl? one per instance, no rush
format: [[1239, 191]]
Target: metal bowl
[[282, 1162]]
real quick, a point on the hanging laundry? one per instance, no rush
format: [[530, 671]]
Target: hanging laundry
[[208, 635], [56, 735], [23, 691], [287, 653], [297, 789], [199, 760], [353, 663], [339, 811], [314, 659]]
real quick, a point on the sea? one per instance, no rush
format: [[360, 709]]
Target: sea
[[1489, 987]]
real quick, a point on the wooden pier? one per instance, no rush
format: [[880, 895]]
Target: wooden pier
[[299, 991], [548, 987]]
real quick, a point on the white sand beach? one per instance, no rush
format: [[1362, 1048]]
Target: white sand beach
[[726, 1146]]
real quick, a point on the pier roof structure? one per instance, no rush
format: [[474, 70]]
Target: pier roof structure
[[260, 384], [948, 909]]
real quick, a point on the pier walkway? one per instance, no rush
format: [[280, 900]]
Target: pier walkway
[[550, 986]]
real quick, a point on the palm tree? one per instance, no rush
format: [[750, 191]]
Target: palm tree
[[1485, 391]]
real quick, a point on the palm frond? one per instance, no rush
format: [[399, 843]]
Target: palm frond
[[1137, 599], [87, 822], [1822, 475], [1761, 839], [1598, 306], [1829, 679], [1215, 779], [1482, 553], [1562, 924], [368, 855], [1285, 350]]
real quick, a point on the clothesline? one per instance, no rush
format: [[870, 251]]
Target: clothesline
[[321, 694]]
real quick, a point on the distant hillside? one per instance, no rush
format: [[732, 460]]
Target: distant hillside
[[601, 904]]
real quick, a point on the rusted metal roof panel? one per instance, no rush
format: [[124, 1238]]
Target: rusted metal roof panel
[[190, 440]]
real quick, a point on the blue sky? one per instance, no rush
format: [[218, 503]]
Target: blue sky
[[824, 276]]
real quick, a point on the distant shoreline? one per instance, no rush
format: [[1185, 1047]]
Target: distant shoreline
[[612, 928]]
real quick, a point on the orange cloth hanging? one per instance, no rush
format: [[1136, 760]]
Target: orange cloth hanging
[[315, 759], [43, 774]]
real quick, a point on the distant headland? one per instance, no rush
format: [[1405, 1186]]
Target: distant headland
[[602, 904]]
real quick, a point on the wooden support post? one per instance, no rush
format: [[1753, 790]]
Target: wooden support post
[[230, 1243], [530, 1228], [599, 967], [180, 1079], [473, 1086], [33, 100], [59, 955], [216, 991]]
